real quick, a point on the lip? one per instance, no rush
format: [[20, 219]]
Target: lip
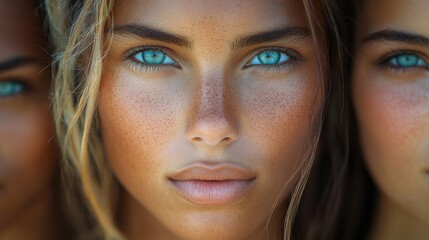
[[212, 184]]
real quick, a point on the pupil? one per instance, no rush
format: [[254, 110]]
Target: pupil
[[269, 57], [153, 57], [408, 60]]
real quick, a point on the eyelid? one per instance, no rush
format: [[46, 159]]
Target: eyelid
[[292, 54], [24, 86], [384, 60], [129, 56]]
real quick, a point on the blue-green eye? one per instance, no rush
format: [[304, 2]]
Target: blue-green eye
[[9, 88], [269, 57], [406, 60], [154, 57]]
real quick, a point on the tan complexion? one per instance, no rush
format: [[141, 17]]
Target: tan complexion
[[211, 105], [27, 154], [391, 97]]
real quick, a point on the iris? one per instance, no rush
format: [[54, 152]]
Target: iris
[[270, 57], [153, 57], [10, 88], [407, 61]]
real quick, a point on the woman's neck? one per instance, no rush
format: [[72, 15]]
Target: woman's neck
[[40, 220], [392, 222]]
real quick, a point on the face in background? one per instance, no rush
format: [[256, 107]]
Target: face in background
[[27, 151], [391, 98], [205, 111]]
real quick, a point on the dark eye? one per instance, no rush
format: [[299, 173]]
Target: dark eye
[[269, 57], [153, 57], [406, 60], [10, 88]]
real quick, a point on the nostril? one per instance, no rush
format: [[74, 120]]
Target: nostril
[[197, 139], [210, 141], [211, 130]]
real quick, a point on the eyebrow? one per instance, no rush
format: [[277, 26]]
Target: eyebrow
[[15, 63], [151, 33], [389, 35], [293, 33], [142, 31]]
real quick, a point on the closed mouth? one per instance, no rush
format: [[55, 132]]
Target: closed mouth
[[212, 184], [212, 192]]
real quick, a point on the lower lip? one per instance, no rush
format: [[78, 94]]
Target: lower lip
[[212, 192]]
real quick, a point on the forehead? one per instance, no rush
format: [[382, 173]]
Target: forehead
[[224, 16], [377, 15], [20, 29]]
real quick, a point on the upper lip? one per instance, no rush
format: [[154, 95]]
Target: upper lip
[[207, 171]]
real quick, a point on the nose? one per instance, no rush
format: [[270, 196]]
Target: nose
[[212, 122]]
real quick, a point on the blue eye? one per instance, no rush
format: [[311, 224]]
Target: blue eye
[[153, 57], [269, 57], [406, 60], [10, 88]]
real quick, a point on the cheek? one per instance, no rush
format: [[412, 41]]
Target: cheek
[[136, 122], [28, 154], [277, 121], [278, 116], [392, 116], [394, 130], [27, 141]]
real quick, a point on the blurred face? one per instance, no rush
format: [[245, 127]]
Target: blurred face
[[26, 151], [205, 111], [391, 98]]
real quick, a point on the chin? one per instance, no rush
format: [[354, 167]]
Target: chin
[[217, 226]]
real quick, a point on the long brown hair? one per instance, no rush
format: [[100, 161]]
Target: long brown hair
[[78, 29], [358, 205], [345, 209], [321, 207]]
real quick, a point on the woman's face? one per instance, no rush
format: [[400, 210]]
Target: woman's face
[[391, 98], [205, 110], [27, 152]]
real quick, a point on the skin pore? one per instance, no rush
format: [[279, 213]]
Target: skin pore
[[391, 98], [207, 85], [28, 155]]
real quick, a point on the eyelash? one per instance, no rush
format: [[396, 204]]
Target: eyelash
[[130, 56], [293, 56], [140, 66], [385, 60]]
